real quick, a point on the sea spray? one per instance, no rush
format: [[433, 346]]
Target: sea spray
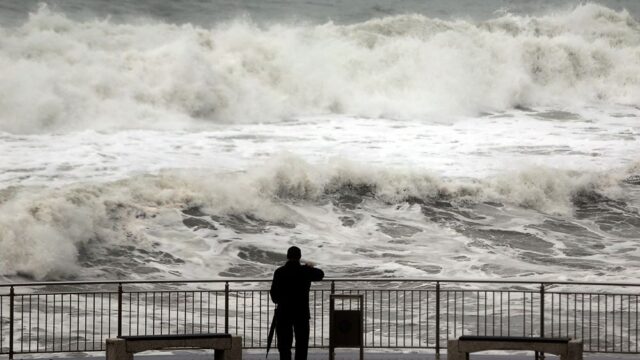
[[61, 74], [45, 229]]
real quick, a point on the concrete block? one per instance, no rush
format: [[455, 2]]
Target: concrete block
[[154, 344], [574, 350], [453, 351], [233, 353], [117, 350]]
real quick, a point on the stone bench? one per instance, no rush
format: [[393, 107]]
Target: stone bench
[[226, 347], [566, 348]]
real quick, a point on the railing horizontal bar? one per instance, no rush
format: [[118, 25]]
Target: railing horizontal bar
[[482, 281], [583, 293], [181, 291], [90, 351], [326, 280], [485, 290], [65, 293]]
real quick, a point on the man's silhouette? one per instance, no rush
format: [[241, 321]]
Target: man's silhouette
[[290, 290]]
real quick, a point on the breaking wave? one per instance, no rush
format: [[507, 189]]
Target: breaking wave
[[61, 74], [50, 232]]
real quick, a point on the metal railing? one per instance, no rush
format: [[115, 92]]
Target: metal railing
[[398, 313]]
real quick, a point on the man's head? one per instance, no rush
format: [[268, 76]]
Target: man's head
[[294, 253]]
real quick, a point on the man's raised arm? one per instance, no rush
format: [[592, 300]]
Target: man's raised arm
[[315, 274]]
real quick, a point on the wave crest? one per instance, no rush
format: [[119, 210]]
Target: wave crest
[[42, 230], [61, 74]]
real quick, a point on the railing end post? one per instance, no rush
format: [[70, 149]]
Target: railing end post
[[542, 291], [120, 309], [12, 295], [226, 307], [437, 319], [540, 355]]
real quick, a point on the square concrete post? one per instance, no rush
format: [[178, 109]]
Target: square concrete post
[[117, 350], [574, 350], [235, 353], [453, 351]]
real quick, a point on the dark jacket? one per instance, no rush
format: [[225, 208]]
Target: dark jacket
[[290, 288]]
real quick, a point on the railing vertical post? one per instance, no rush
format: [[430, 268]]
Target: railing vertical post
[[119, 309], [11, 312], [332, 352], [540, 355], [226, 307], [542, 310], [437, 319]]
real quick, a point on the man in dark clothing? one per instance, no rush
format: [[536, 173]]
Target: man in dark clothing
[[290, 291]]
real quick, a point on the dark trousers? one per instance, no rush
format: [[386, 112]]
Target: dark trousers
[[286, 327]]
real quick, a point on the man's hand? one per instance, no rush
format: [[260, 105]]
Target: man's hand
[[309, 264]]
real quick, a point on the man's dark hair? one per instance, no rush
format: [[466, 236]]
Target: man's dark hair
[[294, 253]]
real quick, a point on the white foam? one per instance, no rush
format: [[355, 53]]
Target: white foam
[[43, 229], [60, 74]]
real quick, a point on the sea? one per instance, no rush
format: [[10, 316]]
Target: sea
[[441, 139]]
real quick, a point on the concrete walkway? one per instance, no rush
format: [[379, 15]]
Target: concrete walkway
[[323, 355]]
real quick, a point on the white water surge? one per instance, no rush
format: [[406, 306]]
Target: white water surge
[[62, 74], [286, 199]]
